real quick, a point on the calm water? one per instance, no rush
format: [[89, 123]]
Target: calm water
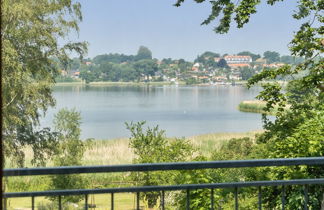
[[181, 111]]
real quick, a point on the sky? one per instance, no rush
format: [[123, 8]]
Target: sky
[[121, 26]]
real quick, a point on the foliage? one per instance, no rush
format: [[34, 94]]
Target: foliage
[[113, 58], [247, 73], [235, 148], [151, 146], [29, 32], [301, 124], [69, 152], [206, 56], [248, 53], [191, 81], [87, 76], [222, 64], [143, 53], [145, 67], [271, 56], [288, 59], [60, 78]]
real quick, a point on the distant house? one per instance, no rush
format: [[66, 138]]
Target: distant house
[[273, 65], [236, 61], [88, 63], [219, 78], [261, 61], [195, 67], [217, 59], [203, 77], [76, 74], [238, 65], [235, 77], [232, 59], [63, 72]]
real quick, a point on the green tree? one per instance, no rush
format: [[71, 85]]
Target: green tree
[[222, 63], [30, 31], [143, 53], [302, 116], [87, 76], [247, 73], [145, 68], [288, 59], [113, 58], [271, 56], [233, 149], [151, 146], [69, 152]]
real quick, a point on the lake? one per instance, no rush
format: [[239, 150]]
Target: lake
[[179, 110]]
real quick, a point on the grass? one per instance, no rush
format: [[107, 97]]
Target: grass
[[117, 151], [123, 201], [257, 106], [208, 143], [109, 152], [254, 106]]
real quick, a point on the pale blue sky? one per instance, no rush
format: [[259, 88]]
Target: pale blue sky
[[121, 26]]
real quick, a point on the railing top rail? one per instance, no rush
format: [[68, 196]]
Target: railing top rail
[[164, 188], [164, 166]]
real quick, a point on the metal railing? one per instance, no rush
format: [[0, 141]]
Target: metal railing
[[313, 161]]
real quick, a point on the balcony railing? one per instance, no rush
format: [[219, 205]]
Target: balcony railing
[[313, 161]]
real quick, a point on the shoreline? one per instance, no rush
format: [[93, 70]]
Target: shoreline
[[180, 83], [115, 83]]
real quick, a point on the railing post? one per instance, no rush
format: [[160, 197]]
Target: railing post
[[162, 200], [138, 201], [236, 198], [188, 200], [305, 197], [86, 201], [212, 198], [112, 201], [5, 203], [283, 201], [260, 198], [60, 202], [33, 202]]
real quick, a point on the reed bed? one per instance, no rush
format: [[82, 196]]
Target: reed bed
[[255, 106]]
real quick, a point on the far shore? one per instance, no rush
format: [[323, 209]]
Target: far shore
[[116, 83], [180, 83]]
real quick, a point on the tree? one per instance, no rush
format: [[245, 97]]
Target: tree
[[247, 73], [279, 134], [151, 146], [253, 56], [143, 53], [69, 152], [287, 59], [271, 56], [222, 63], [207, 58], [30, 31], [145, 67], [113, 58]]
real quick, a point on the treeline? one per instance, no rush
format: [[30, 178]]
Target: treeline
[[143, 67]]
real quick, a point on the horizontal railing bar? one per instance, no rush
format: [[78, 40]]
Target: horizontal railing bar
[[164, 166], [165, 188]]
